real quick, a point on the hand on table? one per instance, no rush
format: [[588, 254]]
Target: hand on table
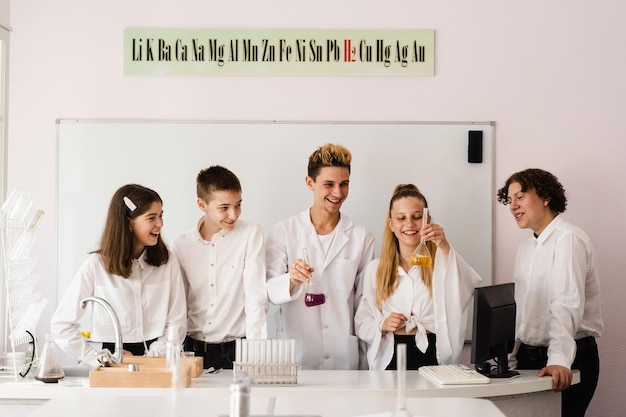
[[561, 376]]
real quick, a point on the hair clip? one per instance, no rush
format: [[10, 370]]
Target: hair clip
[[129, 203]]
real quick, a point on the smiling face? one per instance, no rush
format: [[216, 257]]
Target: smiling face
[[146, 228], [528, 209], [220, 212], [406, 221], [330, 188]]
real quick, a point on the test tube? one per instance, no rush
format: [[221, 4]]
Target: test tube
[[244, 351], [261, 352], [274, 359], [281, 356], [268, 351], [34, 222]]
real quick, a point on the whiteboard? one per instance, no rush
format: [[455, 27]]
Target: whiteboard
[[96, 157]]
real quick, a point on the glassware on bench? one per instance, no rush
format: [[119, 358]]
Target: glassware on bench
[[313, 296], [50, 369], [421, 255], [401, 410]]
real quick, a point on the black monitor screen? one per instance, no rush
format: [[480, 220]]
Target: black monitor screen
[[493, 332]]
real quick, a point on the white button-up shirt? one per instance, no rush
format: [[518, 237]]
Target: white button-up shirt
[[557, 291], [147, 303], [445, 314], [225, 283]]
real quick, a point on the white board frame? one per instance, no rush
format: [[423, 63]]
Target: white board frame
[[95, 157]]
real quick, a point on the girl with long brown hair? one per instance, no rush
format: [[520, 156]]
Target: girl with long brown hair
[[135, 272]]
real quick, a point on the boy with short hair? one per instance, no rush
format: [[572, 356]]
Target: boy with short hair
[[338, 249], [223, 267]]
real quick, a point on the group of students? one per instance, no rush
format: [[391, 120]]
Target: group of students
[[215, 284]]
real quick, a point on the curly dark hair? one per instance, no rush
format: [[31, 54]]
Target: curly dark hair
[[546, 185]]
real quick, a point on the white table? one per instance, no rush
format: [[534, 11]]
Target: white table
[[527, 395], [214, 406]]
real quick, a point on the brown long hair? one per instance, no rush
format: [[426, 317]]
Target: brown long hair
[[116, 244], [387, 273]]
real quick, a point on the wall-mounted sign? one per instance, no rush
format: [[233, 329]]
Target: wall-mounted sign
[[281, 52]]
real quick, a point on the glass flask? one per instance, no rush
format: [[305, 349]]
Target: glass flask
[[313, 296], [50, 369], [421, 255]]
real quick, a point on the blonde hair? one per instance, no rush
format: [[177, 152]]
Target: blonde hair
[[387, 273], [328, 155]]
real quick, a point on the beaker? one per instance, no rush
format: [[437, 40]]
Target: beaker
[[50, 369]]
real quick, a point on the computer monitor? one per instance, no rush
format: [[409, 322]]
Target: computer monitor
[[493, 333]]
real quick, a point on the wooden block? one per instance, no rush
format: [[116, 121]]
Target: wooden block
[[147, 361], [146, 377], [196, 363]]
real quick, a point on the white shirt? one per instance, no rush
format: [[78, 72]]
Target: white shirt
[[225, 283], [147, 303], [557, 291], [445, 314], [324, 334]]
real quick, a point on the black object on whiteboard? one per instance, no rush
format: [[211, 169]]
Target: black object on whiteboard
[[475, 147]]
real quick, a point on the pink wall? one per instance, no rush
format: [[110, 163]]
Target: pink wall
[[550, 74]]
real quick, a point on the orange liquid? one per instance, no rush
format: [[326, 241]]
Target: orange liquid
[[417, 260]]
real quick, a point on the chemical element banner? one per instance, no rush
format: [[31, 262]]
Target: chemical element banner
[[279, 52]]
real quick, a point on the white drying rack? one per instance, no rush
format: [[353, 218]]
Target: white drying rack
[[24, 306]]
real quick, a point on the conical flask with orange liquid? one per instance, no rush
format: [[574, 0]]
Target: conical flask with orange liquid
[[421, 255]]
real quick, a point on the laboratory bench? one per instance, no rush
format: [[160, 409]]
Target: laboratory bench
[[317, 393]]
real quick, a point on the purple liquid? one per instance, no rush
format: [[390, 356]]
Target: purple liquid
[[312, 300]]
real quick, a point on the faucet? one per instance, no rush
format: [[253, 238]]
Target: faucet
[[118, 354]]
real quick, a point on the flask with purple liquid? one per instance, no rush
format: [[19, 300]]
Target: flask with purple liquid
[[313, 297]]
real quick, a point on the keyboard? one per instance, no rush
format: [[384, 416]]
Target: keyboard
[[453, 374]]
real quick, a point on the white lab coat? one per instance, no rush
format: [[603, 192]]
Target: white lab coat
[[325, 337], [445, 314]]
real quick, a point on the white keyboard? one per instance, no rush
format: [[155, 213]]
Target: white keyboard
[[453, 374]]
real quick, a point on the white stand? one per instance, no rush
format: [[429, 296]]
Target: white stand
[[24, 306]]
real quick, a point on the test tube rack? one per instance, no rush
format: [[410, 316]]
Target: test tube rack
[[266, 361]]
